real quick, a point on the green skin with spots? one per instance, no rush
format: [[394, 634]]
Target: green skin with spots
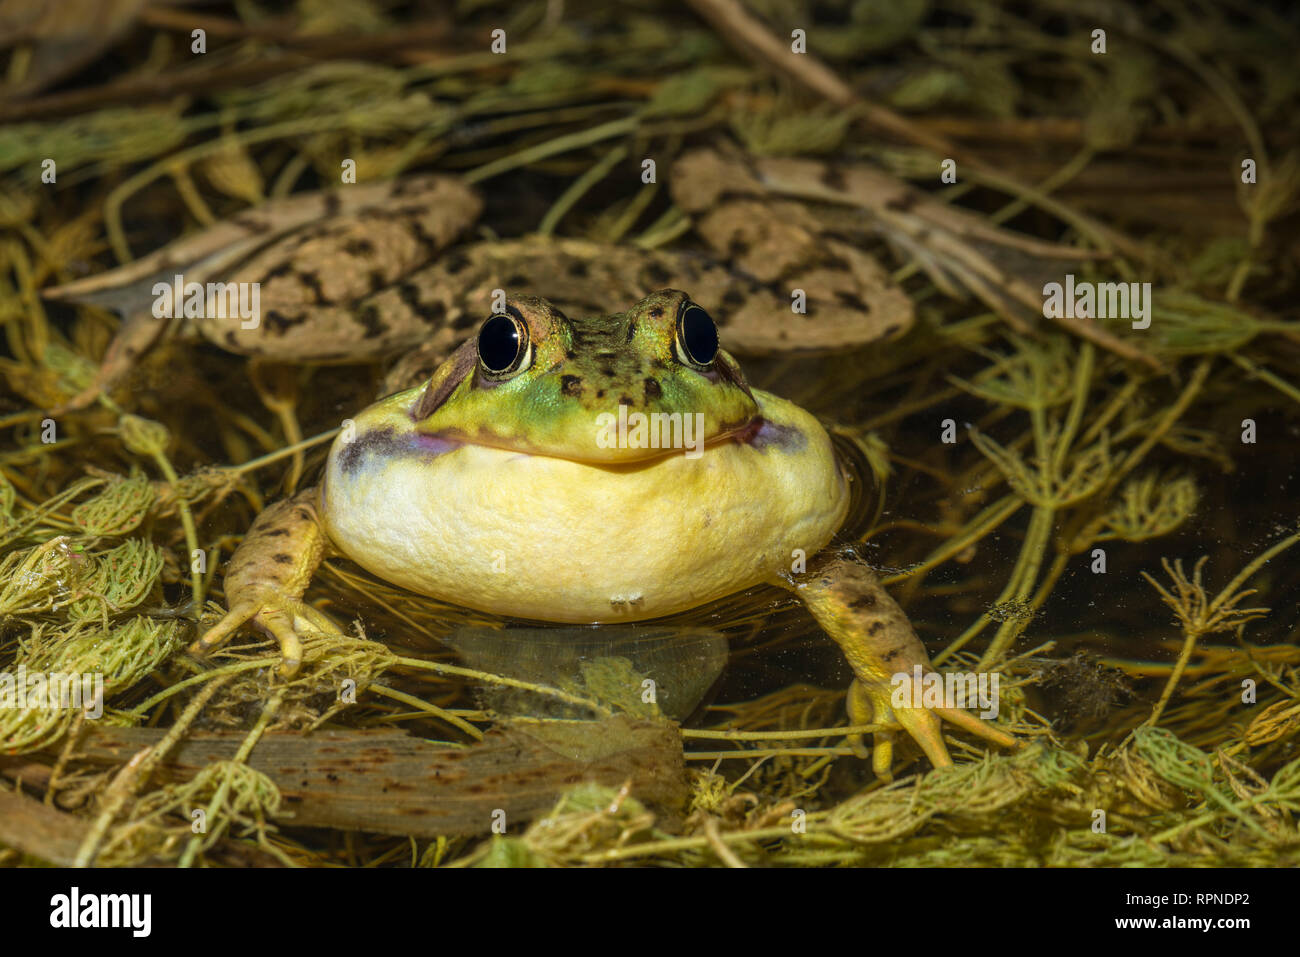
[[579, 369]]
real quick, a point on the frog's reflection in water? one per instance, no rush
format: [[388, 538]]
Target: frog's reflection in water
[[646, 671]]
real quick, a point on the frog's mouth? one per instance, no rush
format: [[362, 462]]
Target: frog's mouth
[[626, 436], [395, 442]]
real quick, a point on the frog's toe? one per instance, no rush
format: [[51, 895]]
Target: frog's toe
[[926, 730], [284, 620], [979, 727], [882, 755], [220, 633], [281, 627], [923, 725], [861, 711]]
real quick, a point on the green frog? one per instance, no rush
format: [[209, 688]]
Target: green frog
[[613, 468]]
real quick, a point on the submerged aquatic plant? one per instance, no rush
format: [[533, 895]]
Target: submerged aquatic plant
[[1200, 615], [121, 655]]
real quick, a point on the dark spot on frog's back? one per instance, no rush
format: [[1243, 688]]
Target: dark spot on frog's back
[[311, 280], [369, 317], [278, 323], [737, 247], [577, 269], [359, 247], [279, 272], [852, 301], [570, 385], [412, 297]]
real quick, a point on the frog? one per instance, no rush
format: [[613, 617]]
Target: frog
[[522, 480], [386, 271], [383, 270]]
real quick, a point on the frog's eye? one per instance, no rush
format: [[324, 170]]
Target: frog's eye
[[503, 346], [697, 336]]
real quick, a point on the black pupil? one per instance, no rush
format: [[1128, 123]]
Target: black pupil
[[499, 343], [699, 335]]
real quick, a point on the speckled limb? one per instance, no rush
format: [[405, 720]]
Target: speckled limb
[[268, 575], [848, 601]]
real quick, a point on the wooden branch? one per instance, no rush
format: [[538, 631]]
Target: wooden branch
[[29, 826], [392, 783]]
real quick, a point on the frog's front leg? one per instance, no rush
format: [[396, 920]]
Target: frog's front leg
[[848, 601], [268, 575]]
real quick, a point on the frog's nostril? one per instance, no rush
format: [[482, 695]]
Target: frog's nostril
[[570, 385]]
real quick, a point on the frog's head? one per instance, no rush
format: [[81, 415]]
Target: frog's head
[[539, 382]]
